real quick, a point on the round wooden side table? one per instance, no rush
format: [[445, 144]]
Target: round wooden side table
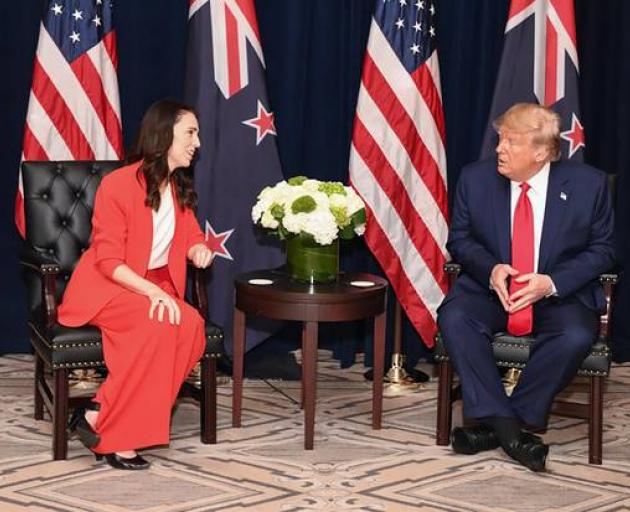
[[271, 294]]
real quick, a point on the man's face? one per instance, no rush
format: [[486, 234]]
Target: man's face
[[519, 158]]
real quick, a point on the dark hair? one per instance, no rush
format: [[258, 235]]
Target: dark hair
[[152, 144]]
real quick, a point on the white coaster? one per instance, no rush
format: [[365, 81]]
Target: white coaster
[[260, 282], [362, 284]]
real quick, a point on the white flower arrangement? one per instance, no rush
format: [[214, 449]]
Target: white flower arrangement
[[323, 210]]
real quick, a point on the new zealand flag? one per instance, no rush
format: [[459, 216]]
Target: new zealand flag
[[540, 65], [238, 156]]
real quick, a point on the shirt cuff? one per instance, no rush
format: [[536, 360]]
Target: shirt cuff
[[554, 291]]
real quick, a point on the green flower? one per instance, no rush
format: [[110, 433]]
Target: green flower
[[341, 215], [277, 210], [332, 187], [303, 204], [296, 181]]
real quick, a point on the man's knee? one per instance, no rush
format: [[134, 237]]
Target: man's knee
[[577, 338], [452, 319]]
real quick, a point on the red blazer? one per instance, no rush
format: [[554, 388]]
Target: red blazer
[[122, 232]]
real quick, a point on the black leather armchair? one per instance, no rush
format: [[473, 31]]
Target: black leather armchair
[[513, 352], [58, 201]]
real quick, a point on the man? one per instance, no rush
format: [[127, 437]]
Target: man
[[532, 234]]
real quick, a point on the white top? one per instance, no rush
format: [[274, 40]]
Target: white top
[[163, 229], [537, 195]]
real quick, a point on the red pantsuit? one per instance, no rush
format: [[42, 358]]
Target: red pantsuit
[[147, 360]]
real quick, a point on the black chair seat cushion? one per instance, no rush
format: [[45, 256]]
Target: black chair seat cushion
[[80, 347], [513, 351]]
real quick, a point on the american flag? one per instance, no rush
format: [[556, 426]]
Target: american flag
[[74, 108], [397, 157], [540, 65]]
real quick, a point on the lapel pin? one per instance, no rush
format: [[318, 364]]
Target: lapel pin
[[563, 196]]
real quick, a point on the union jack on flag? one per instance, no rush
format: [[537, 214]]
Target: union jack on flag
[[540, 65], [233, 25], [74, 108], [397, 157]]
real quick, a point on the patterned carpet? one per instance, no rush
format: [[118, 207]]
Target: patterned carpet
[[263, 467]]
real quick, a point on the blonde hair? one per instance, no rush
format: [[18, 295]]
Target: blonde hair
[[541, 121]]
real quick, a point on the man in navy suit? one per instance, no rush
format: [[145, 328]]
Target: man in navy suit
[[560, 234]]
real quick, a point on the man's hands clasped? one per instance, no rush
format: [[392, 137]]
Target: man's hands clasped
[[537, 286]]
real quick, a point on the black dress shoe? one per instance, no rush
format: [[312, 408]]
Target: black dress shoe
[[118, 462], [80, 426], [529, 450], [474, 439]]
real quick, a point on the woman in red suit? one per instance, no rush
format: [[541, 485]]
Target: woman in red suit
[[130, 284]]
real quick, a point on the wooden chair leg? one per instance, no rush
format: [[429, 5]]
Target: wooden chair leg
[[208, 403], [60, 414], [595, 420], [444, 409], [38, 401]]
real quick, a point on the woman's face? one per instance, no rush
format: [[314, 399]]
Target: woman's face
[[185, 141]]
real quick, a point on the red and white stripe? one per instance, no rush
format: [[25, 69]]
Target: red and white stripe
[[398, 166], [74, 109], [234, 25]]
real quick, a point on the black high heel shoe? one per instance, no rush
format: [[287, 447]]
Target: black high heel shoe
[[80, 426], [118, 462]]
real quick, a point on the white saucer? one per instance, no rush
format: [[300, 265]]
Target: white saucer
[[362, 284], [260, 282]]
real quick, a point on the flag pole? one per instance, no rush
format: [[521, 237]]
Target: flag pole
[[397, 373]]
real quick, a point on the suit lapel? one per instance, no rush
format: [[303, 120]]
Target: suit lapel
[[501, 208], [558, 197], [145, 242]]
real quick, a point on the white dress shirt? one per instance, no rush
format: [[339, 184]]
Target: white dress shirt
[[163, 229]]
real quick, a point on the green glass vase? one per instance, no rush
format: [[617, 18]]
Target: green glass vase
[[310, 262]]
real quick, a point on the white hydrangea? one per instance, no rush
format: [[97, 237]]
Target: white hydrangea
[[338, 200], [311, 185], [319, 223], [360, 229], [355, 203], [269, 221]]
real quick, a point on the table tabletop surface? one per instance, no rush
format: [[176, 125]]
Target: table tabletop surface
[[277, 285]]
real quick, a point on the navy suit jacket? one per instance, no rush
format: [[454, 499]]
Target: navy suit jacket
[[577, 237]]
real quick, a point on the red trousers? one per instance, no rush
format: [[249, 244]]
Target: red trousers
[[147, 361]]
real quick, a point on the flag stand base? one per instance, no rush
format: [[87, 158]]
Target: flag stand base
[[397, 373]]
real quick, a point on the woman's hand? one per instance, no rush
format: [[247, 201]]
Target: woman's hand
[[200, 256], [160, 301]]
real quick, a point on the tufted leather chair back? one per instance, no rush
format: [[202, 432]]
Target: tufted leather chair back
[[58, 203]]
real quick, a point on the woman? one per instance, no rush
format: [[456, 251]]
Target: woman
[[130, 284]]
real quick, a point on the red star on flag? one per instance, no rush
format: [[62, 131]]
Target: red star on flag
[[216, 242], [263, 123], [575, 135]]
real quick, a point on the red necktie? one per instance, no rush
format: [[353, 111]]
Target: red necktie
[[521, 322]]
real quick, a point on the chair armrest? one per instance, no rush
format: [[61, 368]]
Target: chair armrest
[[36, 262], [199, 293], [452, 270], [608, 282]]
